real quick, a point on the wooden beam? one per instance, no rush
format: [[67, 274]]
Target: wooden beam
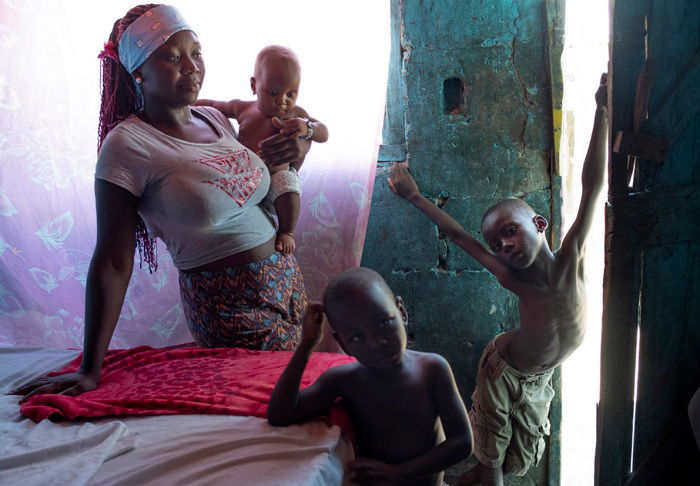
[[672, 459], [645, 147], [662, 217], [680, 107], [621, 280], [617, 361], [627, 60]]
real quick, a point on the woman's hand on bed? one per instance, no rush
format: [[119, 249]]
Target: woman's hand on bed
[[312, 327], [70, 384]]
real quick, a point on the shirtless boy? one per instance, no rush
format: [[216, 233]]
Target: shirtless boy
[[513, 392], [399, 400], [276, 84]]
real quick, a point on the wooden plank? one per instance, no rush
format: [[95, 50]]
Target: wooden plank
[[646, 147], [680, 107], [672, 460], [663, 322], [660, 228], [618, 344], [621, 280], [627, 60], [655, 218], [641, 95]]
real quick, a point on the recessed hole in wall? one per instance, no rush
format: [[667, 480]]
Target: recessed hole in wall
[[454, 96]]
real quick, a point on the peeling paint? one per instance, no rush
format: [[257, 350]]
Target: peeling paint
[[502, 41]]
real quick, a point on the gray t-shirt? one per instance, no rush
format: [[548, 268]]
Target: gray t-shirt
[[202, 199]]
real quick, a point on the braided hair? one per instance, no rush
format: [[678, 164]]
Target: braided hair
[[119, 101]]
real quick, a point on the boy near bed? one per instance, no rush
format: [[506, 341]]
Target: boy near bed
[[409, 419], [513, 392], [275, 82]]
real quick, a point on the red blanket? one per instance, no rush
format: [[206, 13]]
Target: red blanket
[[148, 381]]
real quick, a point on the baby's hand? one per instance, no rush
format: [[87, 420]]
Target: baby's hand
[[601, 95], [401, 182], [312, 327], [294, 127]]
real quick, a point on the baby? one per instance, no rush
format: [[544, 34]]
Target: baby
[[276, 84], [399, 400]]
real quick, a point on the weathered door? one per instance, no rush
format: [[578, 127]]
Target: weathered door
[[652, 277]]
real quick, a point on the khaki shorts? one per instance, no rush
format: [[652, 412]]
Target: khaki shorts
[[509, 414]]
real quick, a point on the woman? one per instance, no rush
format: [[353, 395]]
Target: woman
[[181, 169]]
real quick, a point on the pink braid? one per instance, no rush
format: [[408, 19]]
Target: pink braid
[[119, 101]]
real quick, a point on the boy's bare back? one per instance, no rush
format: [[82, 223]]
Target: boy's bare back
[[550, 285]]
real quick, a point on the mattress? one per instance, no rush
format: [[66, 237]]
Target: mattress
[[190, 449]]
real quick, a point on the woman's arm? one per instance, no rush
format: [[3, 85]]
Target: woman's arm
[[110, 270], [107, 281]]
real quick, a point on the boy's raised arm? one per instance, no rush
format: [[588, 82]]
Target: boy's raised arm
[[287, 404], [402, 184], [593, 172]]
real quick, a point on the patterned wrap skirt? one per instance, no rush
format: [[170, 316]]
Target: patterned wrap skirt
[[257, 305]]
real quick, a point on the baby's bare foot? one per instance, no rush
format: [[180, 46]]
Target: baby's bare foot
[[285, 243]]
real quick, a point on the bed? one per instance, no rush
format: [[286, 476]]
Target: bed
[[170, 449]]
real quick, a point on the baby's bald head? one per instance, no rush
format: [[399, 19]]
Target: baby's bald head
[[277, 54]]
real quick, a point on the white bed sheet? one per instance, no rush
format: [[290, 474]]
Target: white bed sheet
[[167, 449]]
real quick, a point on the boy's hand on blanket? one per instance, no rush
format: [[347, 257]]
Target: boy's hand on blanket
[[70, 384], [369, 472], [401, 182], [312, 328]]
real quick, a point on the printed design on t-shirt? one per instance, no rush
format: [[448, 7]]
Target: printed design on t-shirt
[[240, 179]]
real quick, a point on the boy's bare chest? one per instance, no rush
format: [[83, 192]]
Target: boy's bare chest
[[552, 318], [398, 419], [563, 286]]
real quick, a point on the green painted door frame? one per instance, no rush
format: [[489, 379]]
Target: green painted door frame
[[652, 275]]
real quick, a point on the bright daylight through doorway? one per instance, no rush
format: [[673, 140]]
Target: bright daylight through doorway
[[584, 58]]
